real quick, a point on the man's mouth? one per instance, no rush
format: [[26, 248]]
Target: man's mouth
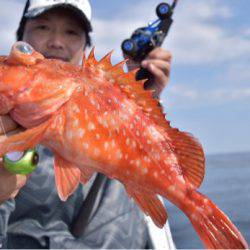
[[65, 59]]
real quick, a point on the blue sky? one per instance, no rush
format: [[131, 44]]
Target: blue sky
[[209, 90]]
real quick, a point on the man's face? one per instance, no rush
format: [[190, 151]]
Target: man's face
[[56, 34]]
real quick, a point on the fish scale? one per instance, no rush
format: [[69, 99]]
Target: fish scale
[[97, 118]]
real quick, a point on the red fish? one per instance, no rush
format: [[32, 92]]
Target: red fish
[[97, 118]]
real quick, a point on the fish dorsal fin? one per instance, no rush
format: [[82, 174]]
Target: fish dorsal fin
[[67, 177], [91, 60], [187, 148], [128, 84]]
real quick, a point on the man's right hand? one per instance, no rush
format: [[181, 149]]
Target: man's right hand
[[10, 184]]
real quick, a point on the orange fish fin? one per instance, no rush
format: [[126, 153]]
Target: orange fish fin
[[213, 226], [91, 60], [135, 90], [67, 177], [151, 206], [86, 174], [23, 140], [105, 63], [190, 155]]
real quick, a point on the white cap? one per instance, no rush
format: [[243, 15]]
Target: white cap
[[81, 7]]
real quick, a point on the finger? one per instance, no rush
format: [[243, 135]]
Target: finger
[[7, 124], [132, 65], [160, 53], [14, 194], [159, 76], [160, 64]]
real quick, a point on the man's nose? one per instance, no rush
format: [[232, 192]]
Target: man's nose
[[56, 41]]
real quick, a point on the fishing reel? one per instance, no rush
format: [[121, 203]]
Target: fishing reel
[[21, 162], [145, 39]]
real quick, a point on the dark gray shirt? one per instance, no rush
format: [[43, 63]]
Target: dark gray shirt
[[37, 218]]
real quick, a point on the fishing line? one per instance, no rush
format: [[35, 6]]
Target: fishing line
[[2, 125]]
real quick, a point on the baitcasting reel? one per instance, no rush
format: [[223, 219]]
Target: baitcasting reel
[[145, 39]]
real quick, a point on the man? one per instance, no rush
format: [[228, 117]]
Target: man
[[36, 218]]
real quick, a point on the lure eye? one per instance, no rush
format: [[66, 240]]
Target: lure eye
[[24, 48]]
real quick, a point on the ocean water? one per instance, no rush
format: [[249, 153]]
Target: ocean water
[[227, 184]]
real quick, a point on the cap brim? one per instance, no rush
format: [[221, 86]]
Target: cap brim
[[79, 14]]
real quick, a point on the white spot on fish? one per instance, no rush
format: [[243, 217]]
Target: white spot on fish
[[92, 101], [86, 114], [157, 156], [127, 141], [149, 142], [181, 179], [194, 217], [119, 155], [134, 144], [96, 152], [137, 117], [97, 136], [76, 123], [81, 132], [131, 162], [113, 143], [146, 159], [171, 189], [126, 156], [124, 132], [109, 101], [85, 145], [76, 109], [106, 145], [91, 126], [156, 174], [138, 163], [131, 126], [155, 133], [113, 121], [69, 134], [144, 170]]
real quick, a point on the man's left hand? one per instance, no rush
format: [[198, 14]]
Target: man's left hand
[[158, 63]]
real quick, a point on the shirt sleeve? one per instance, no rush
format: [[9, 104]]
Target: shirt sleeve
[[5, 210]]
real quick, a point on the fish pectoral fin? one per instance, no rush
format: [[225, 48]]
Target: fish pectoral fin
[[23, 140], [67, 177], [151, 206], [86, 174]]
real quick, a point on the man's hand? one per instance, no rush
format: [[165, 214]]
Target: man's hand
[[10, 184], [158, 63]]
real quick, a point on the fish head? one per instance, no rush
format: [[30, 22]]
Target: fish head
[[15, 73], [30, 82]]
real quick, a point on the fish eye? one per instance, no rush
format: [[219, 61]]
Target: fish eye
[[24, 48]]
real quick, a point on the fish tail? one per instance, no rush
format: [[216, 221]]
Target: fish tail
[[213, 226]]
